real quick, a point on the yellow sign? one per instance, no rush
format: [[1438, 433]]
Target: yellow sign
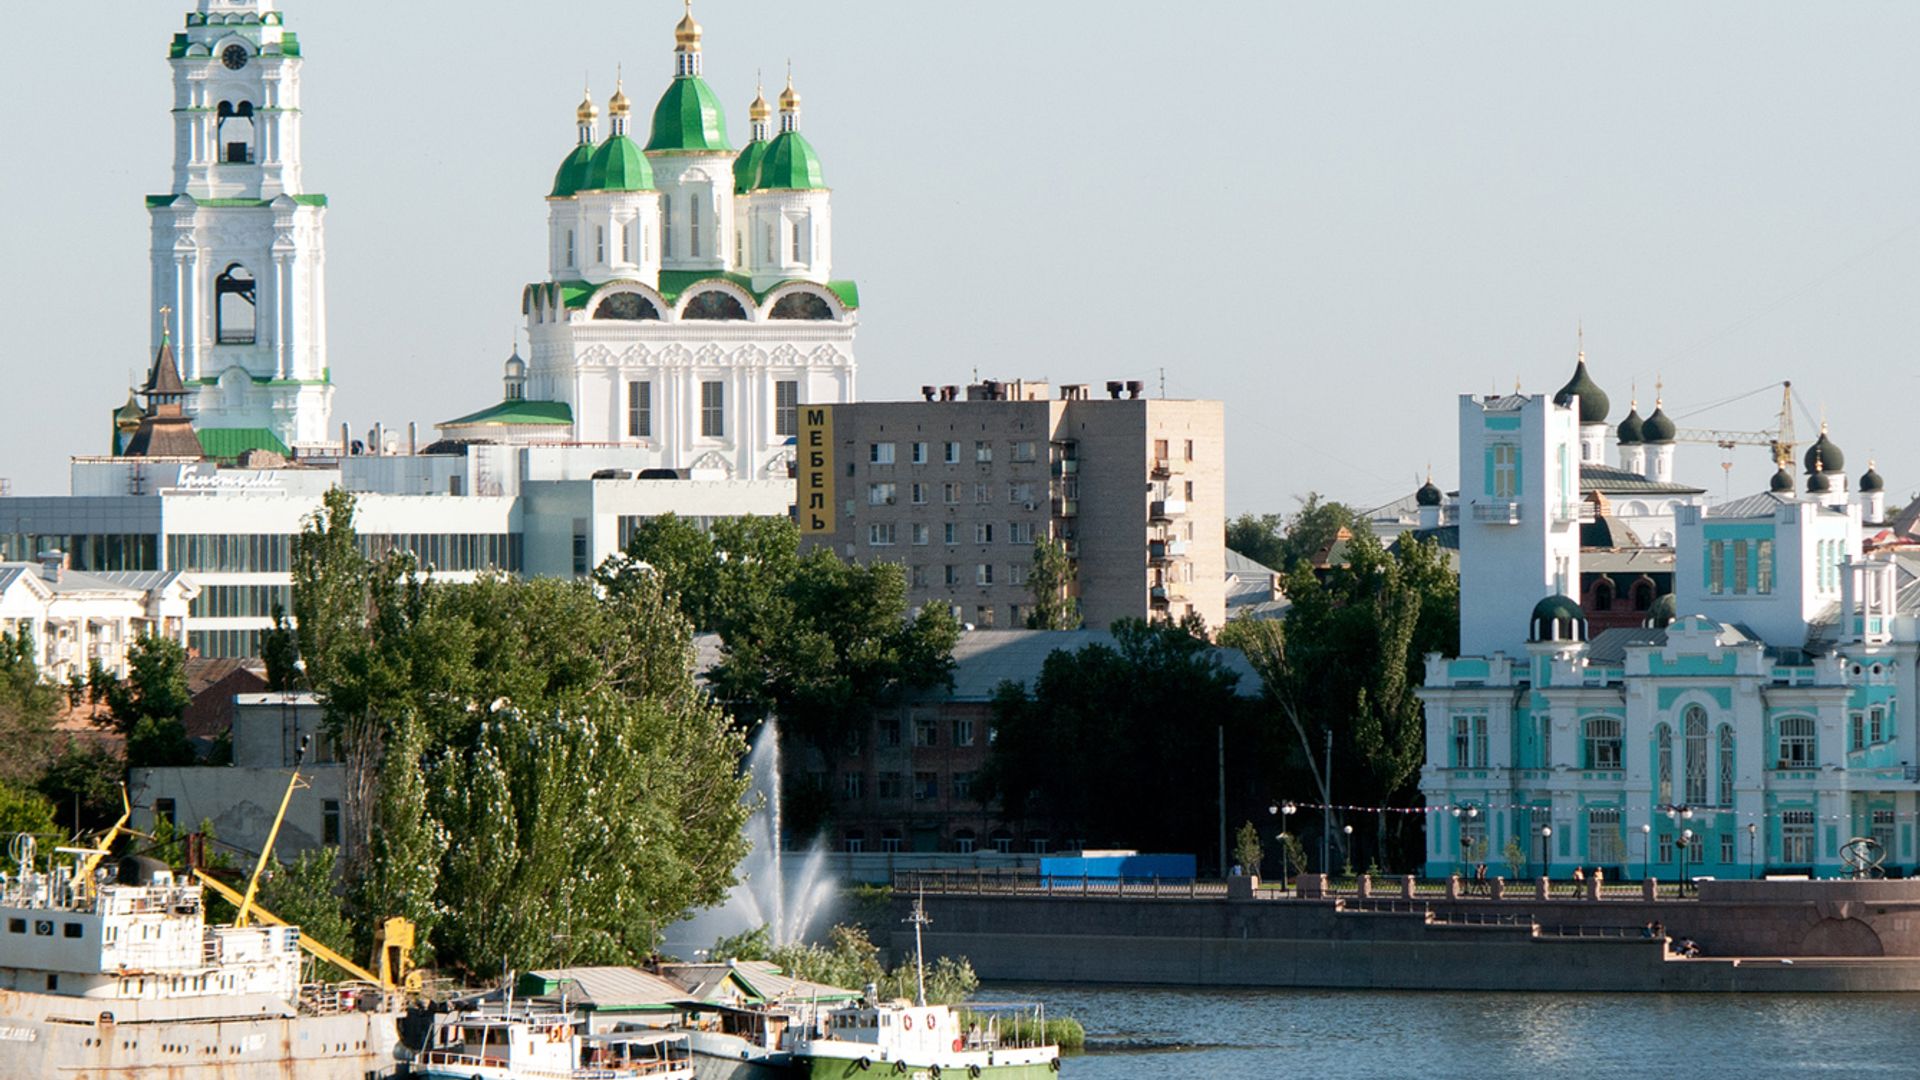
[[816, 469]]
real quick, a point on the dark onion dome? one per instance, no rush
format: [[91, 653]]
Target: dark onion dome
[[1818, 484], [1631, 433], [1593, 400], [1659, 427], [1782, 482], [1665, 609], [1825, 454], [1428, 495], [1870, 481], [1558, 618]]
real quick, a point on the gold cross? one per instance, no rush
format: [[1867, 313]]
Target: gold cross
[[165, 313]]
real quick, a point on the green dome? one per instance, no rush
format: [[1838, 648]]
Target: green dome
[[1664, 611], [1558, 618], [790, 165], [689, 118], [1825, 454], [1631, 429], [1593, 400], [746, 167], [573, 172], [1659, 427], [618, 166]]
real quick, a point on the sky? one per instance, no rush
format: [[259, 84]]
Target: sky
[[1334, 217]]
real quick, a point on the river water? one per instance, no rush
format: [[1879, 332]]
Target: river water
[[1152, 1032]]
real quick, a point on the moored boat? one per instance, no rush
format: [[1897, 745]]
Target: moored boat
[[502, 1042]]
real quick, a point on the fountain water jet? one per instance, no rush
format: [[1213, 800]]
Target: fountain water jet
[[786, 896]]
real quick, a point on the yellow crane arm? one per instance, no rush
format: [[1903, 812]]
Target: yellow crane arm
[[234, 896], [106, 842]]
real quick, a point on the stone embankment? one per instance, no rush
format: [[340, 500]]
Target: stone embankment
[[1770, 936]]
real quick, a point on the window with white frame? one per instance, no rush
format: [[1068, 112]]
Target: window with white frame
[[983, 532], [1726, 765], [1763, 560], [1018, 574], [1796, 837], [950, 494], [1506, 471], [786, 407], [883, 494], [1876, 723], [1882, 831], [1856, 730], [1602, 743], [1020, 532], [1023, 451], [919, 453], [1663, 764], [713, 410], [982, 451], [880, 453], [640, 410], [953, 453], [1606, 836], [1739, 567], [1797, 745], [983, 574], [919, 492], [880, 534], [950, 533], [920, 532], [1717, 567], [1695, 721]]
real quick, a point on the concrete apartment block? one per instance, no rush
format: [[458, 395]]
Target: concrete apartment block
[[957, 488]]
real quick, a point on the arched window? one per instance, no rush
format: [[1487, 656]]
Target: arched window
[[1602, 743], [1602, 595], [233, 132], [715, 305], [1663, 764], [1726, 765], [1643, 594], [801, 305], [1696, 764], [1797, 743], [630, 307], [234, 306]]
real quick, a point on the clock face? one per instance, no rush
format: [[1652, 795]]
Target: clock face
[[235, 57]]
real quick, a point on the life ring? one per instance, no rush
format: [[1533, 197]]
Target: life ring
[[934, 1071], [907, 1021], [973, 1070], [959, 1044], [930, 1024], [1054, 1064], [863, 1064], [899, 1067]]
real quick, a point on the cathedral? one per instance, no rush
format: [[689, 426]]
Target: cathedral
[[690, 307]]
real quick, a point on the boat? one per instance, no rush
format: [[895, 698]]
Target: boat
[[533, 1042], [111, 971]]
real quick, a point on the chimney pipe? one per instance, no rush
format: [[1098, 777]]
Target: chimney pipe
[[346, 440], [1134, 389], [53, 565], [413, 438], [927, 392], [1114, 388]]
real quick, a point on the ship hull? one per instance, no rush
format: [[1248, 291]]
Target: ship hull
[[44, 1037], [821, 1068]]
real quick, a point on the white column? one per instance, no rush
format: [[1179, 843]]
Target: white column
[[282, 307]]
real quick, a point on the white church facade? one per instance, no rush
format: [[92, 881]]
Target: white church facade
[[239, 252], [690, 306]]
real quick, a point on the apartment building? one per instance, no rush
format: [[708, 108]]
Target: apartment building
[[958, 487]]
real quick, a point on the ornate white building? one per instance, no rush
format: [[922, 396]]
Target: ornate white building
[[238, 243], [690, 306]]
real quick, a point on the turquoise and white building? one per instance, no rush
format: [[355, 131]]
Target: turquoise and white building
[[1756, 721]]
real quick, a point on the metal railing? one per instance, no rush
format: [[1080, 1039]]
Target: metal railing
[[1033, 883]]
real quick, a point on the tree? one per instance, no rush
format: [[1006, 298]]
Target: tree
[[83, 784], [280, 651], [1110, 729], [27, 711], [1284, 543], [1247, 852], [850, 960], [149, 706], [1052, 582], [306, 893], [24, 811], [1347, 660]]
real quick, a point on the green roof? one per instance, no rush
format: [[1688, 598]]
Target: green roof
[[618, 166], [790, 165], [746, 167], [675, 283], [689, 117], [573, 172], [156, 201], [232, 442], [551, 413]]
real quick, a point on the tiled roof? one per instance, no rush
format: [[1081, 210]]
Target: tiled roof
[[1611, 481], [607, 988]]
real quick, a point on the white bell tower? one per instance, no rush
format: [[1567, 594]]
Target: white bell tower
[[238, 243]]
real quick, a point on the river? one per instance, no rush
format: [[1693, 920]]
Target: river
[[1139, 1033]]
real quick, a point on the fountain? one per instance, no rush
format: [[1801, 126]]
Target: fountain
[[787, 896]]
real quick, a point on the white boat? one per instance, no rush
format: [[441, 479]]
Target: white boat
[[923, 1041], [532, 1042], [112, 971]]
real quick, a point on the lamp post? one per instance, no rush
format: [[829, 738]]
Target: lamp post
[[1753, 833], [1646, 852], [1462, 817], [1347, 832], [1686, 841], [1284, 811], [1546, 867]]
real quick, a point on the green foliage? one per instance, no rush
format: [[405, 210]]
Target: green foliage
[[532, 773], [1515, 855], [851, 961], [1247, 851], [1283, 542], [1108, 730], [99, 682], [1062, 1031], [28, 708], [722, 579], [148, 707], [1052, 581], [280, 651], [1295, 853], [83, 784], [1348, 659], [306, 893], [25, 811], [754, 944]]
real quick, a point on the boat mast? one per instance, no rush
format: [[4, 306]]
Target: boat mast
[[919, 919]]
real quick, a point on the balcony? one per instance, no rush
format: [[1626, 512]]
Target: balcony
[[1167, 509], [1570, 513], [1066, 507], [1162, 550], [1162, 469], [1067, 467], [1504, 512]]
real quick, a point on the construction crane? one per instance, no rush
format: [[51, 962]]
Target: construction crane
[[1779, 441]]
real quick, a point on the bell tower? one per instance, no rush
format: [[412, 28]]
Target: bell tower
[[238, 243]]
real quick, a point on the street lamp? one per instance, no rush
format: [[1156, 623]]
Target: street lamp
[[1646, 852], [1686, 841], [1546, 834], [1462, 816], [1347, 832], [1753, 832]]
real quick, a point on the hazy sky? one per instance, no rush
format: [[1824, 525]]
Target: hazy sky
[[1336, 217]]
